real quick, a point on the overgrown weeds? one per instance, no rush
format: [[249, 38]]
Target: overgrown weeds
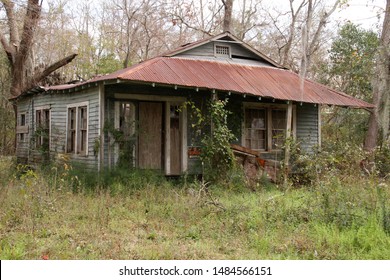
[[61, 213]]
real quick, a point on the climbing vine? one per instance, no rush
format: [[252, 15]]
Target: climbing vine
[[216, 155]]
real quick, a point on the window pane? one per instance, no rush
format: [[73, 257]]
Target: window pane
[[255, 129], [22, 119], [82, 130], [278, 136], [279, 119], [71, 130], [278, 128]]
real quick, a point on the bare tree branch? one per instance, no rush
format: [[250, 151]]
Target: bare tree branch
[[41, 75], [323, 20], [13, 28]]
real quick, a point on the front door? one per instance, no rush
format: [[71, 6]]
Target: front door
[[150, 135]]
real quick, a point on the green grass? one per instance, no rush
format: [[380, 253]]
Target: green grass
[[60, 214]]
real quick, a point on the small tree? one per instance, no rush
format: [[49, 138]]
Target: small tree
[[349, 69]]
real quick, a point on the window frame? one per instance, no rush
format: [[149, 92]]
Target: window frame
[[229, 55], [73, 145], [268, 125], [22, 127], [46, 119]]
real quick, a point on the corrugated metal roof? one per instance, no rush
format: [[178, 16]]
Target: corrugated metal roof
[[224, 75], [259, 81]]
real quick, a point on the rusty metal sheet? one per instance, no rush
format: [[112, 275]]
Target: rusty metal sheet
[[262, 81]]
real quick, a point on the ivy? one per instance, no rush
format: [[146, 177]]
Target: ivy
[[216, 155]]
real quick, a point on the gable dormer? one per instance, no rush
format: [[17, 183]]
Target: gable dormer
[[224, 47]]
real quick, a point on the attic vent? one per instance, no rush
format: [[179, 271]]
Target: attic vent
[[222, 51]]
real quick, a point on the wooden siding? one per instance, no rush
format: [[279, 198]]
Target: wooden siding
[[22, 147], [307, 126], [238, 53], [57, 103]]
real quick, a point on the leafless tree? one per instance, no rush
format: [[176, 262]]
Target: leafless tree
[[18, 46], [312, 30]]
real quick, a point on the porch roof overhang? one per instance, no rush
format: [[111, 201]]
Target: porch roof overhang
[[223, 75]]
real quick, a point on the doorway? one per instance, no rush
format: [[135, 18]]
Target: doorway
[[150, 135]]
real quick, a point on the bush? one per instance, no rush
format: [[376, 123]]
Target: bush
[[333, 159], [382, 161]]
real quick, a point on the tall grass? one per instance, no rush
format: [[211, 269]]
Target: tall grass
[[60, 213]]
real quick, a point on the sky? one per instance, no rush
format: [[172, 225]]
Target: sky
[[364, 13]]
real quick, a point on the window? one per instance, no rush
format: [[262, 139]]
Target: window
[[278, 128], [265, 128], [22, 126], [77, 129], [255, 129], [42, 129], [83, 122], [222, 51]]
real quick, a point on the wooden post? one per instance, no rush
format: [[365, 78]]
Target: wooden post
[[183, 129], [167, 119], [319, 126], [101, 126], [287, 142]]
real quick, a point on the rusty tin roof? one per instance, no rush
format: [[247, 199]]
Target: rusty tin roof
[[260, 81]]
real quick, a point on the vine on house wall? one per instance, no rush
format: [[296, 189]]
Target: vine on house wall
[[216, 154], [127, 145]]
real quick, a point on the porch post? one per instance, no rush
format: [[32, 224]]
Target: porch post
[[167, 156], [287, 142], [183, 129], [319, 126], [101, 126]]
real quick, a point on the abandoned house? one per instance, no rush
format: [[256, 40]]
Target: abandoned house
[[134, 117]]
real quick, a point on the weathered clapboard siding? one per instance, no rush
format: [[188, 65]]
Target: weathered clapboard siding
[[307, 126], [109, 159], [238, 53], [57, 103], [205, 50], [22, 146]]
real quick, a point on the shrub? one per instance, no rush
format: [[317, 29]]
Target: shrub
[[382, 161]]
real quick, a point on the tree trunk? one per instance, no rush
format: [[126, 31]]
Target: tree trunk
[[227, 19], [379, 117]]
